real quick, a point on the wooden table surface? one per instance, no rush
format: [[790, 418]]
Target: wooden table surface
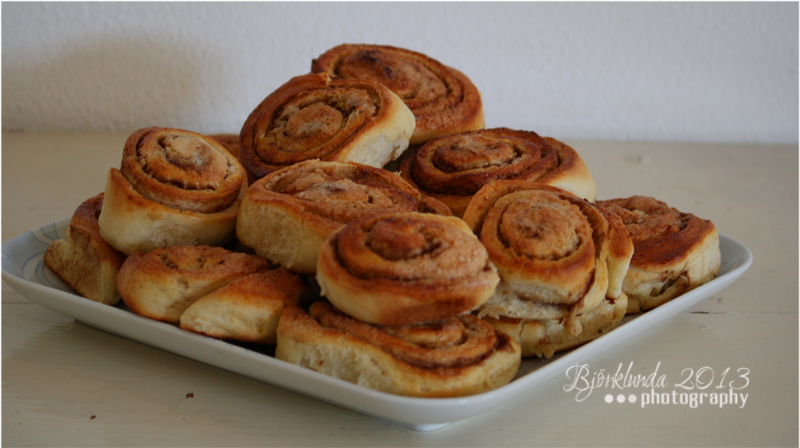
[[67, 384]]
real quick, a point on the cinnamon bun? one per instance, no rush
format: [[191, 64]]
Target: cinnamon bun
[[402, 268], [453, 168], [287, 215], [87, 263], [443, 100], [316, 117], [174, 188], [561, 261], [162, 283], [452, 357], [674, 252], [247, 309]]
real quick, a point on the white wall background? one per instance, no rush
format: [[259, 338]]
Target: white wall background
[[721, 72]]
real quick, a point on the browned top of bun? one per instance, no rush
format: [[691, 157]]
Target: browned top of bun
[[181, 169], [275, 285], [443, 100], [197, 261], [338, 192], [406, 267], [461, 164], [454, 167], [661, 235], [311, 116], [160, 284], [540, 233]]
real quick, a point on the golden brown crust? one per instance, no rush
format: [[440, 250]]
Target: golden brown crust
[[87, 263], [556, 253], [453, 168], [402, 268], [315, 117], [181, 169], [174, 188], [443, 100], [674, 252], [456, 356], [428, 204], [162, 283], [247, 309], [287, 215], [661, 234]]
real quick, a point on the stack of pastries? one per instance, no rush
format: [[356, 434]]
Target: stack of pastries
[[366, 224]]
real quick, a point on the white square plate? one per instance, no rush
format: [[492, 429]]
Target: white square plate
[[24, 270]]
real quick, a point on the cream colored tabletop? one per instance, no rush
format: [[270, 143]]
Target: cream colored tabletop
[[67, 384]]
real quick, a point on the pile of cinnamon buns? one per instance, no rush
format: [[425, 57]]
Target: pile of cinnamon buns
[[366, 224]]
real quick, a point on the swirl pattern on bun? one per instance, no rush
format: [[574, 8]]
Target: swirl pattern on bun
[[173, 188], [443, 100], [674, 252], [455, 356], [557, 256], [403, 268], [314, 116], [287, 215], [453, 168]]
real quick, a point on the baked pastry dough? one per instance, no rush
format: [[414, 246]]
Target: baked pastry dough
[[287, 215], [561, 262], [443, 100], [545, 337], [247, 309], [674, 252], [87, 263], [161, 284], [174, 188], [402, 268], [316, 117], [453, 168], [453, 357]]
